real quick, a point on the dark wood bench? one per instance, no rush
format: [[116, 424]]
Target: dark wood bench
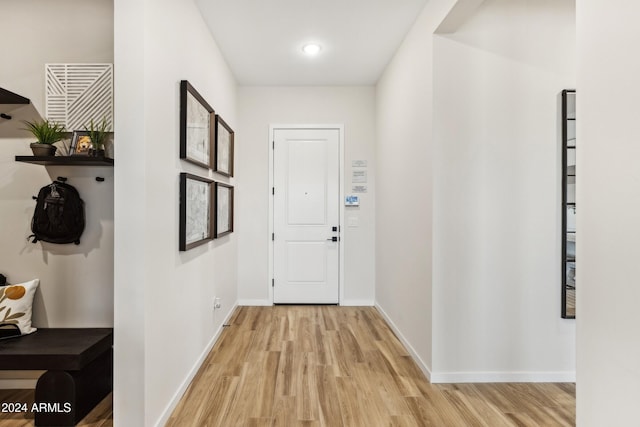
[[79, 365]]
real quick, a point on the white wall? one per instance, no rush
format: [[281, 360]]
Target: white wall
[[608, 195], [404, 185], [467, 131], [497, 194], [76, 282], [165, 323], [258, 108]]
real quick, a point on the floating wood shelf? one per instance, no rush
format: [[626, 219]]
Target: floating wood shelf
[[66, 160], [14, 110], [8, 97]]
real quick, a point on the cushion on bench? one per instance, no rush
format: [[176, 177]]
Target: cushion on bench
[[16, 309]]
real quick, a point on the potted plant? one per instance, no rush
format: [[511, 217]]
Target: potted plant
[[98, 135], [47, 133]]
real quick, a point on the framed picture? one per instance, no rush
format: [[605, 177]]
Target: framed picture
[[80, 143], [196, 127], [196, 219], [224, 148], [224, 209]]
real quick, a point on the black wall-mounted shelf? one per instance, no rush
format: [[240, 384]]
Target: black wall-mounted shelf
[[8, 97], [14, 109], [66, 160]]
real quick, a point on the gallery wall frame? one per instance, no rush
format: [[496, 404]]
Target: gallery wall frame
[[224, 195], [197, 123], [196, 211], [224, 145]]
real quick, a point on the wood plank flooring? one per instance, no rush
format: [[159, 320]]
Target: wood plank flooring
[[342, 366], [331, 366], [100, 416]]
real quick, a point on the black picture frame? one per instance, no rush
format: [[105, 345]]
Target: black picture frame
[[224, 201], [196, 211], [80, 143], [224, 147], [197, 123]]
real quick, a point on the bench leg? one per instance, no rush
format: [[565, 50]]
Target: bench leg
[[63, 398]]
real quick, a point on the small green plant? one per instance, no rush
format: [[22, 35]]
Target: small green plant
[[98, 133], [46, 132]]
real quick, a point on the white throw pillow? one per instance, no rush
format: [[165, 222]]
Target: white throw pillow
[[16, 310]]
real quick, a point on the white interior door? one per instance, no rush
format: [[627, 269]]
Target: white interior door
[[306, 216]]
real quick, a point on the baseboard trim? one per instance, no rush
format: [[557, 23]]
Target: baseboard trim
[[15, 383], [346, 303], [164, 417], [477, 377], [357, 303], [414, 355], [254, 302], [503, 377]]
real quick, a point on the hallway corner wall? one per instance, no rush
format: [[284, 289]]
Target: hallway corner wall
[[608, 194], [165, 319], [497, 194], [404, 199]]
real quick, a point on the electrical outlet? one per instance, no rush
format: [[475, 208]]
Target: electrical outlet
[[217, 303]]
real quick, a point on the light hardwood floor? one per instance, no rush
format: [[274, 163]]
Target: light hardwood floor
[[101, 416], [342, 366], [332, 366]]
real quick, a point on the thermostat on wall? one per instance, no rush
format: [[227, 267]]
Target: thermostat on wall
[[352, 200]]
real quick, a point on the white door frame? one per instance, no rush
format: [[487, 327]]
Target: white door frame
[[272, 129]]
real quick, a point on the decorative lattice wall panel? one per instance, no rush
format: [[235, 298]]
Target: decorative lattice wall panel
[[77, 93]]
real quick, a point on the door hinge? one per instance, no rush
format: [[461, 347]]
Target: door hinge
[[273, 190], [273, 145], [273, 283], [273, 236]]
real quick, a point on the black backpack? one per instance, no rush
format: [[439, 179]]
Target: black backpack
[[59, 214]]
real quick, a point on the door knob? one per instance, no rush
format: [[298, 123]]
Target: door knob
[[333, 239]]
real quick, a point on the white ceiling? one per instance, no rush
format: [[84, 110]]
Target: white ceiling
[[262, 39]]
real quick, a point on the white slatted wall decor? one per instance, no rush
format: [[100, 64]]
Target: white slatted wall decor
[[77, 93]]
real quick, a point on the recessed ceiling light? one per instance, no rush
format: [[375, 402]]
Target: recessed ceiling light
[[311, 49]]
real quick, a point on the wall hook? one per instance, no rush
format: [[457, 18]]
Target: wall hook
[[99, 179]]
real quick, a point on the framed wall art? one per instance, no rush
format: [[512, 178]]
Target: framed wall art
[[196, 213], [223, 209], [223, 148], [76, 93], [197, 120]]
